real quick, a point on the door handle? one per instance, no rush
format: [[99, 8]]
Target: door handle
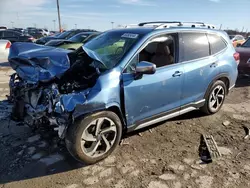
[[177, 73], [215, 64]]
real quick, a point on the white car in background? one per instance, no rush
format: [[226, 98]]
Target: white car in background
[[4, 49]]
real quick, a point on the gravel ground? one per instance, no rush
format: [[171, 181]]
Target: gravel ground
[[164, 156]]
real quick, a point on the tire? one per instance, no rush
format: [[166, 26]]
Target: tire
[[207, 109], [75, 142]]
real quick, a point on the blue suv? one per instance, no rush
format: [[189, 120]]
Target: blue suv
[[121, 81]]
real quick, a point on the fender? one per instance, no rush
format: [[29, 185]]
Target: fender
[[222, 75], [89, 108]]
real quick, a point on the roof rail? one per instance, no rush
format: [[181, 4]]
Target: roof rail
[[159, 22], [199, 23]]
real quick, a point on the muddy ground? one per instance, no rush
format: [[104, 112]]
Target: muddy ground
[[164, 156]]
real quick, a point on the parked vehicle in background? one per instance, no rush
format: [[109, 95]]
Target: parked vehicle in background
[[43, 32], [14, 36], [120, 81], [244, 51], [74, 42], [237, 39], [20, 30], [4, 49], [53, 33], [33, 32], [65, 35], [3, 27]]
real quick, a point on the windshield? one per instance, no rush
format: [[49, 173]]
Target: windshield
[[247, 44], [111, 47], [64, 35], [90, 37], [79, 37]]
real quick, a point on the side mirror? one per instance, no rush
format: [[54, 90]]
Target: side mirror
[[238, 45], [145, 67]]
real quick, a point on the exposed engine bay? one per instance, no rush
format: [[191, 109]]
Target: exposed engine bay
[[50, 101]]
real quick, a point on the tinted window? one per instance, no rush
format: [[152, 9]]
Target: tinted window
[[8, 34], [16, 34], [216, 43], [195, 46], [246, 44], [1, 34], [79, 37]]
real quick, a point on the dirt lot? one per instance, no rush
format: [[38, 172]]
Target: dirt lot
[[165, 156]]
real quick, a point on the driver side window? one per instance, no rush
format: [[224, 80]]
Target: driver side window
[[160, 51]]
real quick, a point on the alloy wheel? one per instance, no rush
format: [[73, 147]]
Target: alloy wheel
[[216, 98], [98, 137]]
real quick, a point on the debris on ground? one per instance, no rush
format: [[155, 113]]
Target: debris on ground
[[208, 149], [226, 123], [247, 131]]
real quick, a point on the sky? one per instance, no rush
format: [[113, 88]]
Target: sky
[[98, 14]]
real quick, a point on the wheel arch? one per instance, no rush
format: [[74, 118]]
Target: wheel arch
[[222, 77], [113, 107]]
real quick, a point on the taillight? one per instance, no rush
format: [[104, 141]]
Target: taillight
[[8, 45], [237, 57], [31, 38]]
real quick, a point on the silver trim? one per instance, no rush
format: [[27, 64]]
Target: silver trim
[[169, 116], [231, 87]]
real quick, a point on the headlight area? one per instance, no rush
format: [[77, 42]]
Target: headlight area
[[43, 106]]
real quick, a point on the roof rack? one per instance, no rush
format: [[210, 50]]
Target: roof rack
[[159, 22], [168, 24]]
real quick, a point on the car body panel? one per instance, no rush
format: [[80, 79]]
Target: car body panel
[[244, 51], [71, 46], [145, 88], [4, 52]]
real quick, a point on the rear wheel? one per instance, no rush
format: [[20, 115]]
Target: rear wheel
[[95, 137], [215, 98]]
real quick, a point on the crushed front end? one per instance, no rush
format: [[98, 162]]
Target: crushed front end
[[38, 105], [47, 87]]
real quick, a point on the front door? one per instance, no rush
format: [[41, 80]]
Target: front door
[[152, 95]]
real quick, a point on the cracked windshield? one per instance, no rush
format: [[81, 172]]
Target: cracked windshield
[[124, 93]]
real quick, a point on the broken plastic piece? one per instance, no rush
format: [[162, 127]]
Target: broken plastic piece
[[208, 149]]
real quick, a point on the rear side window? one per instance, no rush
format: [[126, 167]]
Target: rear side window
[[8, 34], [217, 44], [194, 46]]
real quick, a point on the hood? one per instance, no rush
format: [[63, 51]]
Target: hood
[[34, 63], [58, 42]]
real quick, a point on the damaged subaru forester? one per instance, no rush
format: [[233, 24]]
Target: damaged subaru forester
[[121, 81]]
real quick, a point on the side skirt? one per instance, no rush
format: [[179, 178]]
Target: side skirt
[[167, 115]]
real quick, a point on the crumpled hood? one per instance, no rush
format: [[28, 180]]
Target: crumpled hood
[[34, 63]]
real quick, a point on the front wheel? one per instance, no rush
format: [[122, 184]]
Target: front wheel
[[215, 98], [95, 137]]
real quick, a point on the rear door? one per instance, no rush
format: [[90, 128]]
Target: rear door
[[199, 67]]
